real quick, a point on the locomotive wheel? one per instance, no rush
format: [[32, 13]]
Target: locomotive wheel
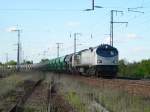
[[97, 74], [92, 71]]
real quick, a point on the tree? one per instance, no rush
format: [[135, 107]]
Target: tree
[[27, 62], [44, 60], [135, 69], [122, 67], [12, 62]]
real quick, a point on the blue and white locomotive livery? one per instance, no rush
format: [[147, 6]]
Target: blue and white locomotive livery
[[100, 61]]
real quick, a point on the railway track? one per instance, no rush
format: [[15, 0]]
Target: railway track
[[42, 97], [54, 97], [134, 86], [18, 107]]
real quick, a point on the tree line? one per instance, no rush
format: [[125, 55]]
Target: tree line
[[12, 62], [134, 70]]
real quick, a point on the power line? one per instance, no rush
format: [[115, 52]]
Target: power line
[[39, 10], [135, 9]]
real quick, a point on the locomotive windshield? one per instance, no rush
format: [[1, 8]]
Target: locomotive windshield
[[107, 51]]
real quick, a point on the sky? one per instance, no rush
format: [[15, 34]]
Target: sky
[[43, 23]]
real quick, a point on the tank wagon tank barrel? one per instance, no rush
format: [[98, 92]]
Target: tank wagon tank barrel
[[101, 61]]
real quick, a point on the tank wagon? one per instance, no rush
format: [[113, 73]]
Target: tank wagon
[[101, 61]]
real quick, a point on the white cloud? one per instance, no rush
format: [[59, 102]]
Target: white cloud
[[126, 38], [73, 24], [132, 36], [10, 29], [140, 49]]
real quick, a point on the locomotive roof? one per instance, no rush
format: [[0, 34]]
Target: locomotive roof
[[103, 46], [106, 46]]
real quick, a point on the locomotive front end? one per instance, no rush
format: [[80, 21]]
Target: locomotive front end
[[107, 60]]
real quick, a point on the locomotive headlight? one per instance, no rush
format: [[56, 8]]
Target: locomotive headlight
[[99, 61]]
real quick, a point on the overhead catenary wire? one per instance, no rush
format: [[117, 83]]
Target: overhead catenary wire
[[41, 10]]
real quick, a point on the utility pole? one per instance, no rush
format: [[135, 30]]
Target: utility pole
[[6, 57], [18, 53], [18, 48], [112, 25], [75, 46], [22, 58], [58, 48], [75, 41], [93, 4]]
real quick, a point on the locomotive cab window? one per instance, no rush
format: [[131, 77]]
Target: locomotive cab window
[[107, 52]]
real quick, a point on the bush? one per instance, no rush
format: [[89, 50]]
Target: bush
[[135, 69]]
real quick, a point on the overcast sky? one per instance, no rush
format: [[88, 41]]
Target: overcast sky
[[46, 22]]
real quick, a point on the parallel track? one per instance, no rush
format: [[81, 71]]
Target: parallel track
[[138, 87], [18, 107]]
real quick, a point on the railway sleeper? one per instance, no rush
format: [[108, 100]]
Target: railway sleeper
[[19, 106]]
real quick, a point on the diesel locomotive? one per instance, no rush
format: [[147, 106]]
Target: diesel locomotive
[[100, 61]]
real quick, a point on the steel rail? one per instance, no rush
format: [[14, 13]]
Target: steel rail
[[18, 107]]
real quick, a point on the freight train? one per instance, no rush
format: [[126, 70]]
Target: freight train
[[100, 61]]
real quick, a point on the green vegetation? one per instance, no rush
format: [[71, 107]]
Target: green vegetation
[[9, 83], [86, 98], [12, 62], [27, 62], [75, 100], [135, 69], [30, 109], [44, 60], [80, 96], [117, 100]]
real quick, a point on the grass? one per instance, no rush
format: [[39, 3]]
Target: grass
[[11, 82], [14, 86], [79, 95], [86, 98], [75, 100], [119, 101], [30, 109]]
